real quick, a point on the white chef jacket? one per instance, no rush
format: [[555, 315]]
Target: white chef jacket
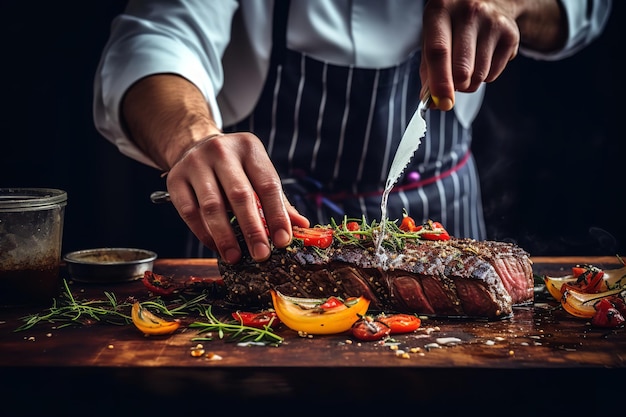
[[224, 46]]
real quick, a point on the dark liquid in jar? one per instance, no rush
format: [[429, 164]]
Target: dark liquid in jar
[[34, 286]]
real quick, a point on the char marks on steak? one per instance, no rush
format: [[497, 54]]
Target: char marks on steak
[[454, 278]]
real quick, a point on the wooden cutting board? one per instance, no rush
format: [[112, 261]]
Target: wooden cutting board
[[539, 341]]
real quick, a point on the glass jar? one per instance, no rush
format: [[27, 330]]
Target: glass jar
[[31, 233]]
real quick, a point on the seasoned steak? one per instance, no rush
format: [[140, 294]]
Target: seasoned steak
[[452, 278]]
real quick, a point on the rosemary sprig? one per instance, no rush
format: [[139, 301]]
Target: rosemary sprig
[[365, 236], [68, 311], [234, 330], [179, 307]]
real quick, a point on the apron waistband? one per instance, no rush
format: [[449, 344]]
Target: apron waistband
[[319, 196]]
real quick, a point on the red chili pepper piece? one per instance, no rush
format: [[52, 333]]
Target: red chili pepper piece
[[158, 284]]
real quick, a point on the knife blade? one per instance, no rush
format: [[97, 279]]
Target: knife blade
[[410, 142]]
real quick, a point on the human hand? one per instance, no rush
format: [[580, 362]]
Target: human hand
[[226, 173], [466, 43]]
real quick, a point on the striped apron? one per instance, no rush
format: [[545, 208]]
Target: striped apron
[[332, 132]]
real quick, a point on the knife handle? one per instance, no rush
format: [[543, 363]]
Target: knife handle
[[159, 197], [426, 101]]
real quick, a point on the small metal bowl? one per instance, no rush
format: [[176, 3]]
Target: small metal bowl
[[105, 265]]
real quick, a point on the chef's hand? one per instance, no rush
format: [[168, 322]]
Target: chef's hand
[[226, 173], [468, 42], [209, 180]]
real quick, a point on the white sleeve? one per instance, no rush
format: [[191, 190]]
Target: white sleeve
[[586, 20], [187, 38]]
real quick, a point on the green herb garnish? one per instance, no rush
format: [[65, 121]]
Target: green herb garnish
[[395, 238], [234, 330], [68, 311]]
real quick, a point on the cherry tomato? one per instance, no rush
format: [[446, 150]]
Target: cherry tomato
[[401, 323], [368, 329], [353, 226], [258, 320], [331, 302], [320, 237], [606, 315], [158, 284], [408, 224]]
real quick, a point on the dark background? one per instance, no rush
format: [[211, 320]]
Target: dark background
[[547, 140]]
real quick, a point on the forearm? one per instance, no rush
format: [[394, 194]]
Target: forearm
[[164, 115], [542, 24]]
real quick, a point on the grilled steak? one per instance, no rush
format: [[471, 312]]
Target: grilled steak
[[453, 278]]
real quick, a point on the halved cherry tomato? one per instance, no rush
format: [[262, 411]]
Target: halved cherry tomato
[[369, 329], [158, 284], [257, 320], [331, 302], [321, 237], [401, 323]]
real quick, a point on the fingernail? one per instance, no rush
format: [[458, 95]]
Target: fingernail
[[444, 104], [260, 251], [232, 256], [281, 238]]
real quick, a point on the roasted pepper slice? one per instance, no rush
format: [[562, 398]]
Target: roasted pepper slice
[[150, 324], [306, 314], [554, 285], [581, 304]]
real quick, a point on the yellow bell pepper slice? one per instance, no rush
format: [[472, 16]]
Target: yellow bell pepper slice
[[554, 284], [150, 324], [304, 314], [581, 304]]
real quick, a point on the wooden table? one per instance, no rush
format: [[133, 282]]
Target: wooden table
[[530, 363]]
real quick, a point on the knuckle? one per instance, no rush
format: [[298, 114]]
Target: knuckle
[[209, 205], [461, 72], [239, 195], [187, 211]]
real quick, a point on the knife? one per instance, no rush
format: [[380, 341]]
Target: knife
[[410, 141]]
